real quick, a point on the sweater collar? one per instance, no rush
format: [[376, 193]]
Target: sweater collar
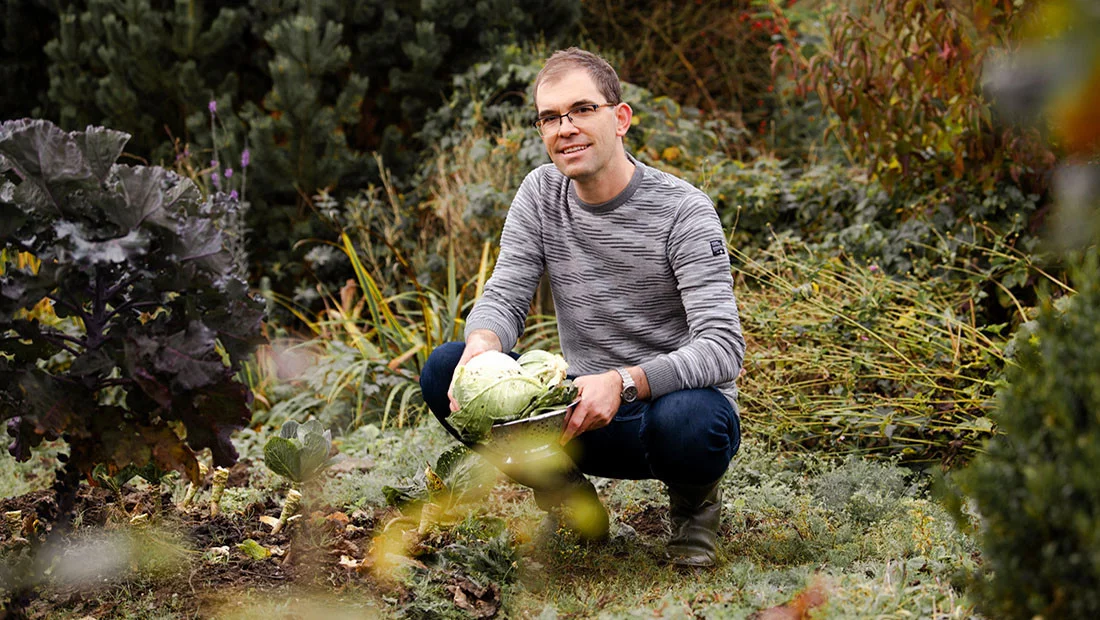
[[617, 201]]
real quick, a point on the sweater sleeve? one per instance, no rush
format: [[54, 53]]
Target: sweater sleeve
[[716, 347], [503, 305]]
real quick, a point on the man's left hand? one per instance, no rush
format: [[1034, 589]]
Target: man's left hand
[[600, 397]]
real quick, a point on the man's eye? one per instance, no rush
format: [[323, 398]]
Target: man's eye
[[585, 109]]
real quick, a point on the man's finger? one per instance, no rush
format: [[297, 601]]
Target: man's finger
[[595, 422], [573, 424], [453, 402]]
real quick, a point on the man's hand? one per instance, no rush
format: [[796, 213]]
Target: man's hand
[[599, 402], [479, 341]]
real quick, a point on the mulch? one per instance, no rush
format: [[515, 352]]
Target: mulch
[[212, 566]]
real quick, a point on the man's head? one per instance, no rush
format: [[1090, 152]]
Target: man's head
[[582, 120], [565, 61]]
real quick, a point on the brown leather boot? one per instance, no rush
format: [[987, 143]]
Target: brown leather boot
[[695, 512]]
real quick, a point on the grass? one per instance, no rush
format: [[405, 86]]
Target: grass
[[864, 532], [788, 519], [845, 359], [34, 475]]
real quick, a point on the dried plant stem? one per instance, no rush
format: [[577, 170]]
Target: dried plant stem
[[221, 476]]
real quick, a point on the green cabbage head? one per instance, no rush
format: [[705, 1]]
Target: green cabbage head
[[492, 387], [548, 368]]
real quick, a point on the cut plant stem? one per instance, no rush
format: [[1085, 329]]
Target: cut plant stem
[[15, 522], [193, 488], [290, 506], [430, 515], [221, 476]]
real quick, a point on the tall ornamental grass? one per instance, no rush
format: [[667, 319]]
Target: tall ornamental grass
[[846, 359]]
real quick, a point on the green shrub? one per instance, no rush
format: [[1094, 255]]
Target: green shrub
[[864, 491], [308, 87], [707, 55], [903, 79], [123, 319], [1036, 489]]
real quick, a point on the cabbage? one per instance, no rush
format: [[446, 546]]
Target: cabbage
[[544, 366], [493, 388]]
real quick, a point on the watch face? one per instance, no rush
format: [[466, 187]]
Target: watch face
[[630, 393]]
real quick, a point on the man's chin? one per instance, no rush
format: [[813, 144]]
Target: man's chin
[[575, 173]]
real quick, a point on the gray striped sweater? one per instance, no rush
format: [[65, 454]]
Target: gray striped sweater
[[641, 280]]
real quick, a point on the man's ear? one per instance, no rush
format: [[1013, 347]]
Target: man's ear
[[623, 114]]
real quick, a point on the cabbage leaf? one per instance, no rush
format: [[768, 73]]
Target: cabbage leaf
[[493, 388]]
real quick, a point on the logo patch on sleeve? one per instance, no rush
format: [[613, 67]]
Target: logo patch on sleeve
[[717, 248]]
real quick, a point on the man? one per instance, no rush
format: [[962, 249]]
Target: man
[[646, 314]]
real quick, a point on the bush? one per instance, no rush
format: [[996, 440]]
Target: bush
[[123, 319], [902, 78], [309, 87], [845, 359], [1035, 489], [707, 55]]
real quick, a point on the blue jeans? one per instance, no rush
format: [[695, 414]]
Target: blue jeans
[[685, 437]]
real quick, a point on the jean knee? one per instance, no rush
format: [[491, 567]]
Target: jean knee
[[435, 377], [691, 436]]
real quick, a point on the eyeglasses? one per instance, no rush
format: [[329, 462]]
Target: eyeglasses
[[578, 116]]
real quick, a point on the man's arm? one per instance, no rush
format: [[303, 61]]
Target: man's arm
[[716, 347], [497, 319]]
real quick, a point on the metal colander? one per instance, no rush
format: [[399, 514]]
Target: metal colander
[[529, 439]]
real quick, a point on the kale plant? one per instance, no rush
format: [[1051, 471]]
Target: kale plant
[[123, 318]]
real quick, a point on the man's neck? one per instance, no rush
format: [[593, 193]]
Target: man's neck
[[610, 184]]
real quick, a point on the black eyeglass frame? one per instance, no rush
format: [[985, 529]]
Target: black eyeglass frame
[[542, 120]]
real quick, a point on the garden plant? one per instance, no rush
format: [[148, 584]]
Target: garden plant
[[232, 233]]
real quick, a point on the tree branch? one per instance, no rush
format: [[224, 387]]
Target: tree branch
[[60, 341], [74, 308], [111, 292], [131, 305]]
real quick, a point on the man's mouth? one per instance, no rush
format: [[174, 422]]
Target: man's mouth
[[574, 149]]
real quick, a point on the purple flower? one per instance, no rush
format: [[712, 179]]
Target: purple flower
[[213, 106], [233, 195], [228, 172], [213, 163], [246, 157], [216, 179], [874, 268]]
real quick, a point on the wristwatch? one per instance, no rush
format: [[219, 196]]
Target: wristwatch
[[630, 391]]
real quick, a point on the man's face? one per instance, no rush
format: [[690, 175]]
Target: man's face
[[581, 150]]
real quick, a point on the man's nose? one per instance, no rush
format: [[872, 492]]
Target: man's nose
[[566, 127]]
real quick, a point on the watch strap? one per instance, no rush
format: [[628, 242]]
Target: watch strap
[[630, 391]]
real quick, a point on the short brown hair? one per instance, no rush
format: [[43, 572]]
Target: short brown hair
[[602, 73]]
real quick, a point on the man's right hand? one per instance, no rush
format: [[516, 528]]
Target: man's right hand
[[478, 342]]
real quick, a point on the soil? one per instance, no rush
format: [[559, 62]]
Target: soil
[[212, 565], [324, 551], [651, 521]]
